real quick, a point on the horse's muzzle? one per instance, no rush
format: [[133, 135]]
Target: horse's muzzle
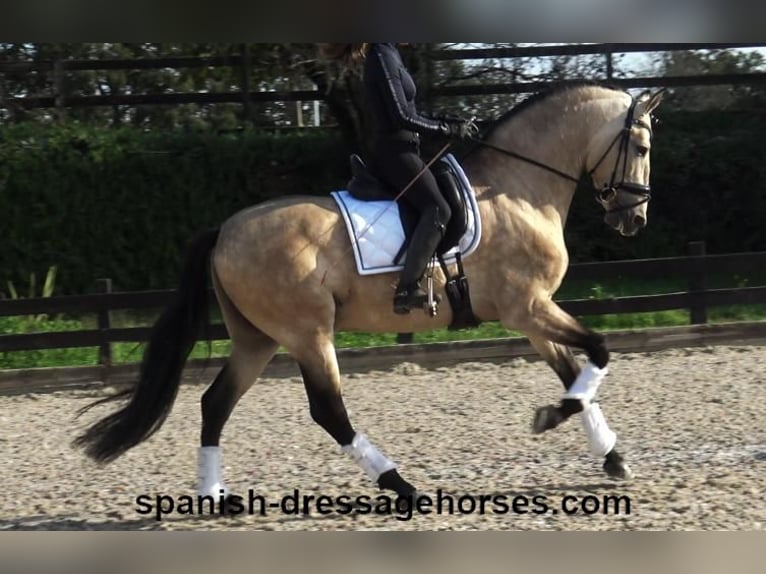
[[625, 206], [626, 223]]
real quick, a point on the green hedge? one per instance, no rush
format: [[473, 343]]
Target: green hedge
[[123, 203]]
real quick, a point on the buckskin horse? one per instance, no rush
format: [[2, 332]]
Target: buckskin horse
[[283, 274]]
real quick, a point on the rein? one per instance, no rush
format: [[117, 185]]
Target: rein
[[610, 189], [525, 159]]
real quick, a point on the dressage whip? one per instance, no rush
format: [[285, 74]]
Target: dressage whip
[[406, 188], [396, 198]]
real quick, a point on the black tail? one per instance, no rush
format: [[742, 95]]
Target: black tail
[[172, 339]]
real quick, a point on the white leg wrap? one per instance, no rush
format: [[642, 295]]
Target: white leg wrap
[[209, 479], [586, 384], [372, 461], [601, 438]]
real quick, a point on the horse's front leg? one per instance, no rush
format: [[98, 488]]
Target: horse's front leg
[[601, 438], [551, 330]]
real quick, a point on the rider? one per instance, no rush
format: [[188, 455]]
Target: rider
[[390, 100]]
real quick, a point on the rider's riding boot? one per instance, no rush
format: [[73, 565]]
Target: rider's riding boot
[[409, 295]]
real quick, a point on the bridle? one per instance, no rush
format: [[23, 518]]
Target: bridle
[[609, 190]]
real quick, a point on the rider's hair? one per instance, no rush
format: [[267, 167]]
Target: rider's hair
[[347, 53]]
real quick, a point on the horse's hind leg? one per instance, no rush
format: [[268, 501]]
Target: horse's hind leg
[[233, 381], [319, 367], [251, 352], [601, 438]]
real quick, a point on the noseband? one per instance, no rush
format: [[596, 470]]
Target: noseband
[[623, 140]]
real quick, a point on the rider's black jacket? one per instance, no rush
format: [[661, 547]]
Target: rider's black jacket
[[390, 91]]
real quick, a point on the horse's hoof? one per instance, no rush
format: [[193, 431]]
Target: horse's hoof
[[546, 418], [616, 467], [233, 505], [409, 503], [392, 480]]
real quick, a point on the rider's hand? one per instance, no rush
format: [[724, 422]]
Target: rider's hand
[[462, 128]]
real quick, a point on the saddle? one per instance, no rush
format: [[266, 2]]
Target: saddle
[[365, 186]]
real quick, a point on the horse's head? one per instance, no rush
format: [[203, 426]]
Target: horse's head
[[620, 165]]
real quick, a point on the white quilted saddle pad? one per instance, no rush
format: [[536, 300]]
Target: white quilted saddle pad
[[377, 234]]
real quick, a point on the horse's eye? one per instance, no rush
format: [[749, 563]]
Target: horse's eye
[[642, 150]]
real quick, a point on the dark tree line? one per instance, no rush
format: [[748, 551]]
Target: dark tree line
[[288, 67]]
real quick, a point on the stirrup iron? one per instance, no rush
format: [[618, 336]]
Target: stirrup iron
[[432, 305]]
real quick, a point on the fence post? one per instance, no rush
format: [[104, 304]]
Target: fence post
[[104, 323], [697, 309], [609, 66], [247, 105], [404, 338]]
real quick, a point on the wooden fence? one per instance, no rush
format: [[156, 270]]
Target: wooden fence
[[59, 68], [696, 268]]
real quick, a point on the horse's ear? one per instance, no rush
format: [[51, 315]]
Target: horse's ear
[[648, 102]]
